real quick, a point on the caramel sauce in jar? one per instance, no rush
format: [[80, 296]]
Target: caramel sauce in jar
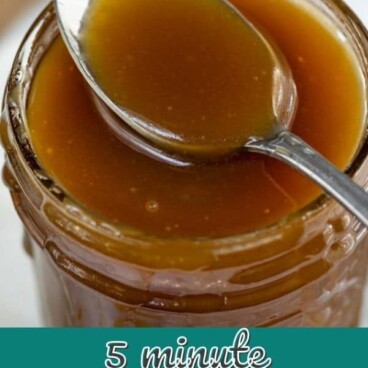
[[227, 198], [120, 239]]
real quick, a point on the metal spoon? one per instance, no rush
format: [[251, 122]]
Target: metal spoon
[[280, 144]]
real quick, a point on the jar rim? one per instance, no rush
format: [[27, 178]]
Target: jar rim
[[19, 84]]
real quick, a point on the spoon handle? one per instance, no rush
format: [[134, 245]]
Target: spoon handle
[[295, 152]]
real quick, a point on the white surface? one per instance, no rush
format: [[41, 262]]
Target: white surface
[[18, 297]]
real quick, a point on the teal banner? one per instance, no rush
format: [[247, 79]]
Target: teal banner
[[183, 348]]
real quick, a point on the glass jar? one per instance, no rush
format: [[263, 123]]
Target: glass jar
[[309, 269]]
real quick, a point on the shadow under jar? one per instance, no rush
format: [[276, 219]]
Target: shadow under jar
[[308, 269]]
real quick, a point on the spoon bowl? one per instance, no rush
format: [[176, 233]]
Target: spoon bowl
[[72, 17]]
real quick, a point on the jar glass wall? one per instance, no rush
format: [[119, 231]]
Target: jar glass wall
[[307, 270]]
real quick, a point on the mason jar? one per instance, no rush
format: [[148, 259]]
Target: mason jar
[[309, 269]]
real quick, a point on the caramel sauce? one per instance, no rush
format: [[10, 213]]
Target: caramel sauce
[[196, 70], [78, 149]]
